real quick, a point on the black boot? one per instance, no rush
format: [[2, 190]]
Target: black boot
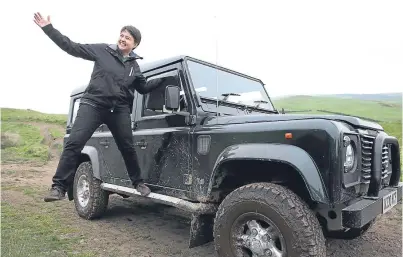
[[143, 189], [55, 194]]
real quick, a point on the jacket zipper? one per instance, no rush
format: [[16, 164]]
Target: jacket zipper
[[131, 70]]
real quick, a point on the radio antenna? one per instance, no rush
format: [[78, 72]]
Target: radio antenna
[[216, 61]]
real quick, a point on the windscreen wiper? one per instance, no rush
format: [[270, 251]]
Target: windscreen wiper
[[226, 95], [224, 101], [260, 102], [249, 108]]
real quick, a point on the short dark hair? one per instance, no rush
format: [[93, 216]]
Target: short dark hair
[[134, 32]]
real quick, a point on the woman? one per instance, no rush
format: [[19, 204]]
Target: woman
[[107, 100]]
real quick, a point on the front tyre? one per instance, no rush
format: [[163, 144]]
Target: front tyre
[[90, 199], [264, 219]]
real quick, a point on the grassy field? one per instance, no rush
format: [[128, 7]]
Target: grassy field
[[394, 129], [18, 115], [22, 142], [31, 231], [387, 113], [28, 136], [376, 110]]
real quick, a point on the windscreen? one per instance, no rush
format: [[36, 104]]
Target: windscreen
[[212, 83]]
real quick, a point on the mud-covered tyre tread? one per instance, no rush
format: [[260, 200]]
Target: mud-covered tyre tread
[[311, 241], [99, 198]]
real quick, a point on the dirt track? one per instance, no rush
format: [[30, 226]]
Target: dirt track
[[148, 228], [133, 227]]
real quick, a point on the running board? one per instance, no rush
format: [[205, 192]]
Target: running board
[[194, 208], [201, 228]]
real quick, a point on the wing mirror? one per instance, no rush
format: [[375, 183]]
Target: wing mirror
[[172, 95]]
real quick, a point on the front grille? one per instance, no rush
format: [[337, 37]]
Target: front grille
[[385, 161], [367, 144], [386, 170]]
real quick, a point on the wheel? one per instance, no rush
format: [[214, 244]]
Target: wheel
[[90, 199], [264, 219], [351, 233]]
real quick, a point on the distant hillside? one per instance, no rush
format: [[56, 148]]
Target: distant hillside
[[388, 111], [394, 97], [28, 135], [10, 114]]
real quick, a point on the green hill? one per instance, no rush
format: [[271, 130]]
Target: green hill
[[28, 135], [10, 114], [382, 111], [392, 97], [387, 113]]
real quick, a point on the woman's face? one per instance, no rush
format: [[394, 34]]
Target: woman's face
[[126, 42]]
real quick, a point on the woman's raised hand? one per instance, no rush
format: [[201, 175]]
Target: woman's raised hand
[[40, 21]]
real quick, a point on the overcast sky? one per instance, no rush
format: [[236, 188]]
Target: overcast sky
[[295, 47]]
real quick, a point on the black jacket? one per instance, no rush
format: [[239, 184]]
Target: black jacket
[[113, 80]]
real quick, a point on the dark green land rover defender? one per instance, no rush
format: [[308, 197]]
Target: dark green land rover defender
[[257, 181]]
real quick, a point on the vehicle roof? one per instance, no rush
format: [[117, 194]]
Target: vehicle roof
[[148, 66], [144, 67]]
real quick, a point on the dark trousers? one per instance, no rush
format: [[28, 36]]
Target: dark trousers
[[88, 119]]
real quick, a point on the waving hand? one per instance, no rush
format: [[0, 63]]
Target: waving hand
[[40, 21]]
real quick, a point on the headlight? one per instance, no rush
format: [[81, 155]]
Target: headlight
[[349, 159]]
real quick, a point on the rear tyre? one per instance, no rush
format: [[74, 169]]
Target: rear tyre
[[265, 219], [90, 200]]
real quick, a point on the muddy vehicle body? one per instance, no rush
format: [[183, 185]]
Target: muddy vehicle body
[[256, 181]]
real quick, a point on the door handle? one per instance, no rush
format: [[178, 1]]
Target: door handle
[[104, 143], [142, 144]]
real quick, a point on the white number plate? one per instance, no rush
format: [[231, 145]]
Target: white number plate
[[389, 201]]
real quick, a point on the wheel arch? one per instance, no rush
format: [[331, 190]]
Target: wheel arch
[[89, 153], [293, 158]]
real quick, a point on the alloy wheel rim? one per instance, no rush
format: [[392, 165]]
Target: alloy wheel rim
[[83, 191], [255, 235]]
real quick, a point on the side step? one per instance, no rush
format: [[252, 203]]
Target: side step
[[194, 208], [201, 226]]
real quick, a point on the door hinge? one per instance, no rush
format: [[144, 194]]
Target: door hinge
[[134, 125], [191, 120], [187, 179]]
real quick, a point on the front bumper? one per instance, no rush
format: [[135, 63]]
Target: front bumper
[[367, 209]]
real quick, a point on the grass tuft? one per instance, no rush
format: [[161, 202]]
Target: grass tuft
[[29, 146]]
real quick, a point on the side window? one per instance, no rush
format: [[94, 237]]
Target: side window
[[75, 109], [154, 102]]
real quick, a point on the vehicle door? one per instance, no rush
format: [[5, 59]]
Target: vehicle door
[[162, 138], [162, 145]]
